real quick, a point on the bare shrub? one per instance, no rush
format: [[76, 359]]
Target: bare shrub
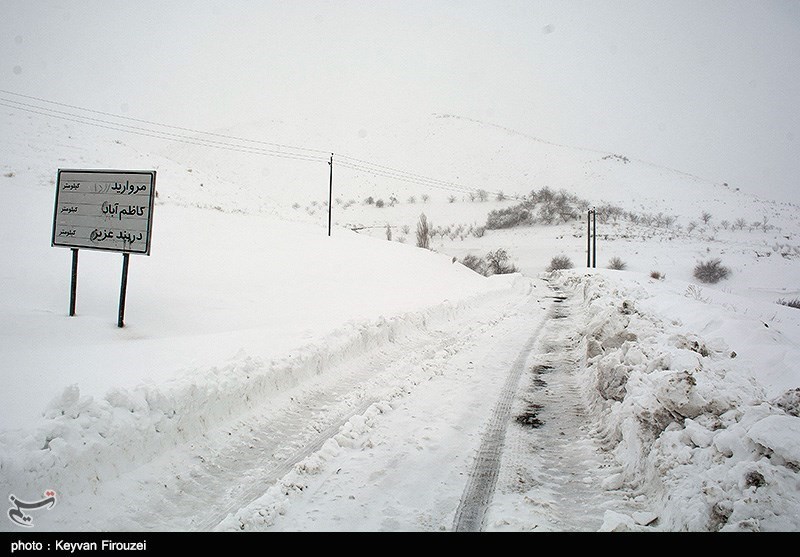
[[711, 271], [497, 263], [560, 262], [790, 303], [657, 275], [475, 263], [789, 402], [423, 232], [379, 203], [617, 264], [508, 217], [696, 293], [388, 232]]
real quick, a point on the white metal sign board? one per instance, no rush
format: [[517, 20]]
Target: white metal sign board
[[104, 209]]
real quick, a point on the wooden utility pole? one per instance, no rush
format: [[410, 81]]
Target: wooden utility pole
[[589, 238], [594, 238], [330, 196]]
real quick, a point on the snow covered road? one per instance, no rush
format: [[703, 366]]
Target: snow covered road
[[386, 437], [408, 435], [569, 402], [405, 467], [433, 458]]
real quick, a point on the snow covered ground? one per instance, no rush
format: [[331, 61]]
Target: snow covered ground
[[272, 378]]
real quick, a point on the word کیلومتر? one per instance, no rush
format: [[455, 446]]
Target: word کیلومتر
[[108, 210]]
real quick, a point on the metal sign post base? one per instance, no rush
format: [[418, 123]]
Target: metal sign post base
[[122, 290]]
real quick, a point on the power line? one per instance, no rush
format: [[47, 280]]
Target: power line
[[152, 123], [412, 175], [307, 154], [85, 120], [402, 178]]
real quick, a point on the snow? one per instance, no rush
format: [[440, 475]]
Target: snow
[[270, 377]]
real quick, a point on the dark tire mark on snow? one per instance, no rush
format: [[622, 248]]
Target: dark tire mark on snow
[[553, 467], [471, 511]]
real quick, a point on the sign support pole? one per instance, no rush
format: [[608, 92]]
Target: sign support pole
[[73, 289], [122, 290]]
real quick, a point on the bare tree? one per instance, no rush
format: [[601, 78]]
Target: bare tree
[[423, 232]]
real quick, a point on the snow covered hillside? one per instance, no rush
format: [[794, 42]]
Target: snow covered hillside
[[272, 377]]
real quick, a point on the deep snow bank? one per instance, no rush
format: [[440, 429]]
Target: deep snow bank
[[83, 440], [692, 426]]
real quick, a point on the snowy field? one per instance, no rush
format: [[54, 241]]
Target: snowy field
[[270, 377]]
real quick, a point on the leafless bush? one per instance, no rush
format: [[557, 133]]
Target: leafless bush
[[508, 217], [790, 303], [657, 275], [711, 271], [423, 232], [560, 262], [617, 264], [696, 293], [475, 263], [497, 263]]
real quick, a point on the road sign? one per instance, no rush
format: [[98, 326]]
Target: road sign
[[107, 210]]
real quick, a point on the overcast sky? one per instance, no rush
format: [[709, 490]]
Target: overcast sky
[[711, 87]]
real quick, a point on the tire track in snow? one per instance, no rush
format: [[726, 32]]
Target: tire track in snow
[[196, 486], [471, 511], [274, 473], [555, 476]]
